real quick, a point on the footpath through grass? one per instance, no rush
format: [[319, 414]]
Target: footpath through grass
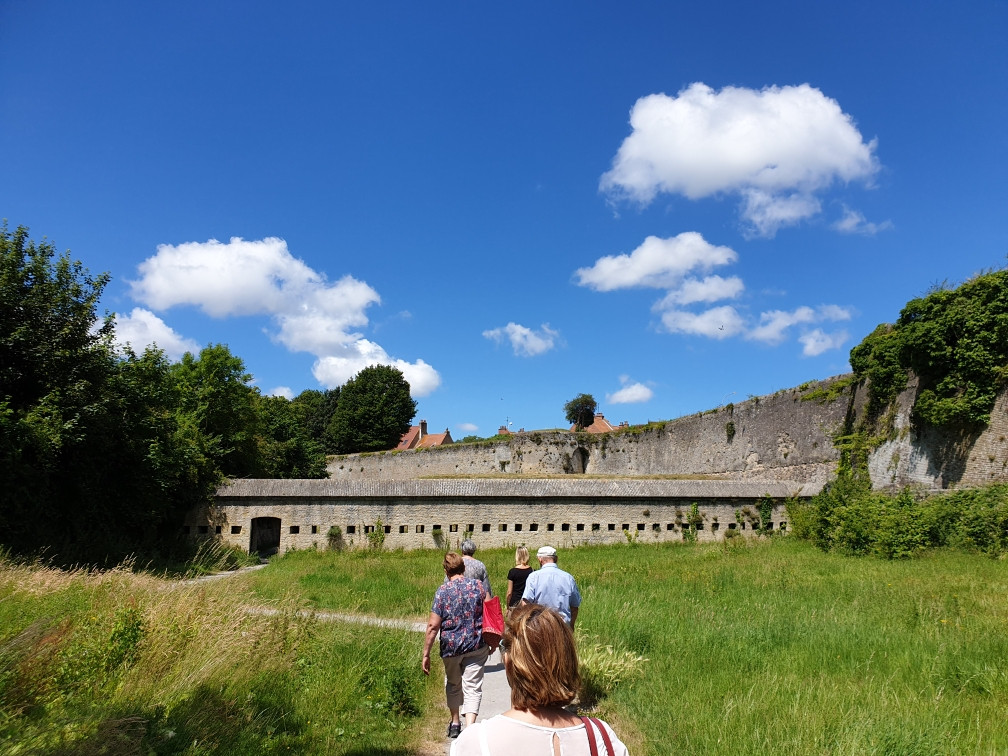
[[771, 647]]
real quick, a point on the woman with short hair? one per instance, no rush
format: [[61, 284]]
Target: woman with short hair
[[457, 617], [541, 664], [516, 578]]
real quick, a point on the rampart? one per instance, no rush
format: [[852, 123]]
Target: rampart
[[571, 488], [268, 515]]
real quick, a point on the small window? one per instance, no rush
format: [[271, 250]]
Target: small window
[[612, 526], [783, 526], [367, 529], [502, 528], [715, 525], [402, 528], [626, 526], [453, 528], [486, 527], [518, 527], [388, 528], [565, 527], [235, 529], [295, 529], [351, 529], [217, 530], [314, 529], [470, 528], [640, 526], [436, 527], [670, 526], [419, 528], [549, 527], [534, 527], [580, 526], [699, 526], [203, 529], [656, 526], [596, 526], [732, 525]]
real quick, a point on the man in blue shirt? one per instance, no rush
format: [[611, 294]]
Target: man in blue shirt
[[552, 587]]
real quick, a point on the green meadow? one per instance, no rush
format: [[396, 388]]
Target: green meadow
[[766, 647]]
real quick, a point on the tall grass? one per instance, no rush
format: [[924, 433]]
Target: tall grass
[[766, 647], [120, 663]]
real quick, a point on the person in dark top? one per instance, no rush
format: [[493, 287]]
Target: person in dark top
[[516, 578]]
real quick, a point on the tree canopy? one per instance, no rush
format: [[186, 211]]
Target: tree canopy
[[374, 410], [580, 411], [955, 341]]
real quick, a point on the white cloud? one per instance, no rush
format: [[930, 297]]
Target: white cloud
[[631, 393], [777, 147], [709, 289], [656, 263], [524, 341], [816, 342], [467, 427], [717, 322], [775, 323], [309, 313], [284, 391], [336, 369], [854, 222], [142, 328]]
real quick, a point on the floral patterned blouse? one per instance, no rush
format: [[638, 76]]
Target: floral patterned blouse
[[459, 604]]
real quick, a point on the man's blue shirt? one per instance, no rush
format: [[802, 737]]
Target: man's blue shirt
[[552, 587]]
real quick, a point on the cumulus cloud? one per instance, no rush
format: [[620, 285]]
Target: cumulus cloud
[[467, 427], [142, 328], [715, 323], [709, 289], [656, 263], [631, 393], [309, 313], [776, 148], [524, 341], [285, 391], [854, 222], [816, 341], [774, 324]]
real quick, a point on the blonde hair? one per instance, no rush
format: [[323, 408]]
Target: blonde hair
[[540, 658], [453, 564], [521, 556]]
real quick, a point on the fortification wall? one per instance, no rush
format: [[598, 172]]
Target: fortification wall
[[774, 437], [786, 436]]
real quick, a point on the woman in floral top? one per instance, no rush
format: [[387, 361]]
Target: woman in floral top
[[457, 616]]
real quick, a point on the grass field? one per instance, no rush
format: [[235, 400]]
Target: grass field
[[770, 647]]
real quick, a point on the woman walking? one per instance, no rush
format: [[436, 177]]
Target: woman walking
[[516, 578], [457, 617], [542, 668]]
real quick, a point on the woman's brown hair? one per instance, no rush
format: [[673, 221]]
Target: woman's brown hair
[[453, 564], [540, 658]]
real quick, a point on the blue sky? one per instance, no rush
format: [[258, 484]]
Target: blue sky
[[667, 207]]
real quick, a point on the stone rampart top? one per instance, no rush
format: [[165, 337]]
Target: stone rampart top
[[515, 487]]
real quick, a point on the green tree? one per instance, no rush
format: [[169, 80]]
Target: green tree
[[375, 408], [221, 406], [580, 411], [316, 410], [286, 448]]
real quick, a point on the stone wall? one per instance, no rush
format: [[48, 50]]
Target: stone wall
[[438, 513], [774, 437]]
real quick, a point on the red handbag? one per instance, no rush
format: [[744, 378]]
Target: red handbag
[[493, 622]]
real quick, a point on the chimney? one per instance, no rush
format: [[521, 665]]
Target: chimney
[[423, 428]]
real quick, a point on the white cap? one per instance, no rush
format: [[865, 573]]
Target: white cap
[[546, 551]]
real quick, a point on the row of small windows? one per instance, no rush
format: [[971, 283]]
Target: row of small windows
[[503, 527]]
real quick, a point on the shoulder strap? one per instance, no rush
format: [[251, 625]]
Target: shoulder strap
[[605, 736], [591, 735]]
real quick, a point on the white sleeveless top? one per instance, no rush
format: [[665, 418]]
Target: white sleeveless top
[[504, 736]]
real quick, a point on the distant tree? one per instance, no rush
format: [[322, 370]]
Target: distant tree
[[470, 439], [316, 410], [374, 410], [222, 406], [286, 447], [580, 411]]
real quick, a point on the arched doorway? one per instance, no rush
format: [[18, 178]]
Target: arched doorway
[[265, 536]]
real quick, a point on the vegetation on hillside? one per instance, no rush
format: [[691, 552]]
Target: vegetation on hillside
[[955, 341]]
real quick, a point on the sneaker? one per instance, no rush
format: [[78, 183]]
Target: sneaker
[[454, 729]]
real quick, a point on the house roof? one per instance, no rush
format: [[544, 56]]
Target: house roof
[[599, 425], [435, 439]]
